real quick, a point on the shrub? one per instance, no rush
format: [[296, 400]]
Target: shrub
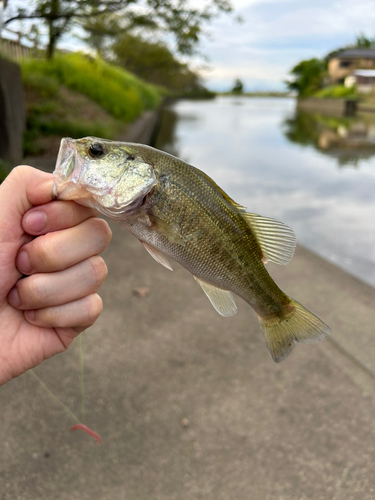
[[46, 86], [337, 92]]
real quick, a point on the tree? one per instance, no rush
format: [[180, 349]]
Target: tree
[[237, 87], [308, 76], [106, 29], [154, 62], [362, 42], [3, 4], [173, 16]]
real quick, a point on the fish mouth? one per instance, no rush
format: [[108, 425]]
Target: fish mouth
[[67, 172], [73, 181]]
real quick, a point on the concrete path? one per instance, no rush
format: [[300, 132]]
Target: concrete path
[[189, 404]]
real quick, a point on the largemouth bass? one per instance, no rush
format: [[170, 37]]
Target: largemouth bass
[[177, 211]]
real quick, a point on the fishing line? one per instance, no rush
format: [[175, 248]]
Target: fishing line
[[79, 421], [55, 398], [82, 380]]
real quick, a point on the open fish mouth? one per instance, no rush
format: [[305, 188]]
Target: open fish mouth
[[67, 172], [92, 183]]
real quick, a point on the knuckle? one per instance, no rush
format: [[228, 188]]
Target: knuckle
[[94, 306], [102, 230], [44, 252], [46, 317], [34, 291], [20, 170], [98, 269]]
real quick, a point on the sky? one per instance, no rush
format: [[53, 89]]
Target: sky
[[274, 36]]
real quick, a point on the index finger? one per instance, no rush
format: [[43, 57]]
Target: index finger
[[55, 216]]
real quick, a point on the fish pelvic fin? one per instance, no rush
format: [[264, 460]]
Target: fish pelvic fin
[[297, 325]]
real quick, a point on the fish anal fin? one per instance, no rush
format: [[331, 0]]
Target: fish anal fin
[[277, 241], [297, 325], [157, 255], [222, 300]]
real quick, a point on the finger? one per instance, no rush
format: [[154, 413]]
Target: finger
[[62, 249], [53, 289], [55, 216], [79, 314]]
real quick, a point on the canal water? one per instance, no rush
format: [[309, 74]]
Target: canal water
[[314, 172]]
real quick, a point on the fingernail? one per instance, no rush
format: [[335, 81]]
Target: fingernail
[[35, 222], [13, 297], [23, 263], [30, 315]]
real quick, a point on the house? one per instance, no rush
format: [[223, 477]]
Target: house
[[364, 79], [345, 62]]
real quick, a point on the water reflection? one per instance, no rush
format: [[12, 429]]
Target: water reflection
[[288, 165], [166, 137], [349, 140]]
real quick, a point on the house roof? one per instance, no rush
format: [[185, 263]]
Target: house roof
[[354, 54]]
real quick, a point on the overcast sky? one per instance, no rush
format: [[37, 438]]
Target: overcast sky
[[276, 34]]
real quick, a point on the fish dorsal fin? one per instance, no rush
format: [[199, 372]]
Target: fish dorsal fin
[[218, 188], [157, 255], [222, 300], [277, 241]]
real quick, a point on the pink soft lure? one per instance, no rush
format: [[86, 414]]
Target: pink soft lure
[[88, 430]]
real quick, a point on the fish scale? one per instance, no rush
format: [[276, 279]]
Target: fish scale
[[176, 210], [240, 271]]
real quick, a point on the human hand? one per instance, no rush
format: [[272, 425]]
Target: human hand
[[56, 245]]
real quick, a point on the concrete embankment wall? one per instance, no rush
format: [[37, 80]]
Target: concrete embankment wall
[[142, 130], [337, 107], [12, 112]]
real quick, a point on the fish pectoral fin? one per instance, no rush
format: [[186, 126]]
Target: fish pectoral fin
[[166, 230], [157, 255], [277, 241], [222, 300]]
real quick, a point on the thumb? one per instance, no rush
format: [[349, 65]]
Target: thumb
[[24, 188]]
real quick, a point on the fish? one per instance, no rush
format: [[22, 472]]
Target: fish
[[176, 210]]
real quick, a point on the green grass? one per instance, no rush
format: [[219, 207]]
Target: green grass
[[337, 92], [120, 93], [74, 95]]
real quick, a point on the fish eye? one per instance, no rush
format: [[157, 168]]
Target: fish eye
[[131, 157], [96, 150]]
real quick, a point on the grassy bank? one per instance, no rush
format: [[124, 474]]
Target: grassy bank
[[77, 96]]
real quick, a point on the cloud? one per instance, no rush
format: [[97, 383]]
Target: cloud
[[276, 35]]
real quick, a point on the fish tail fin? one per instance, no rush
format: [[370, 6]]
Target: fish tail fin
[[296, 325]]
